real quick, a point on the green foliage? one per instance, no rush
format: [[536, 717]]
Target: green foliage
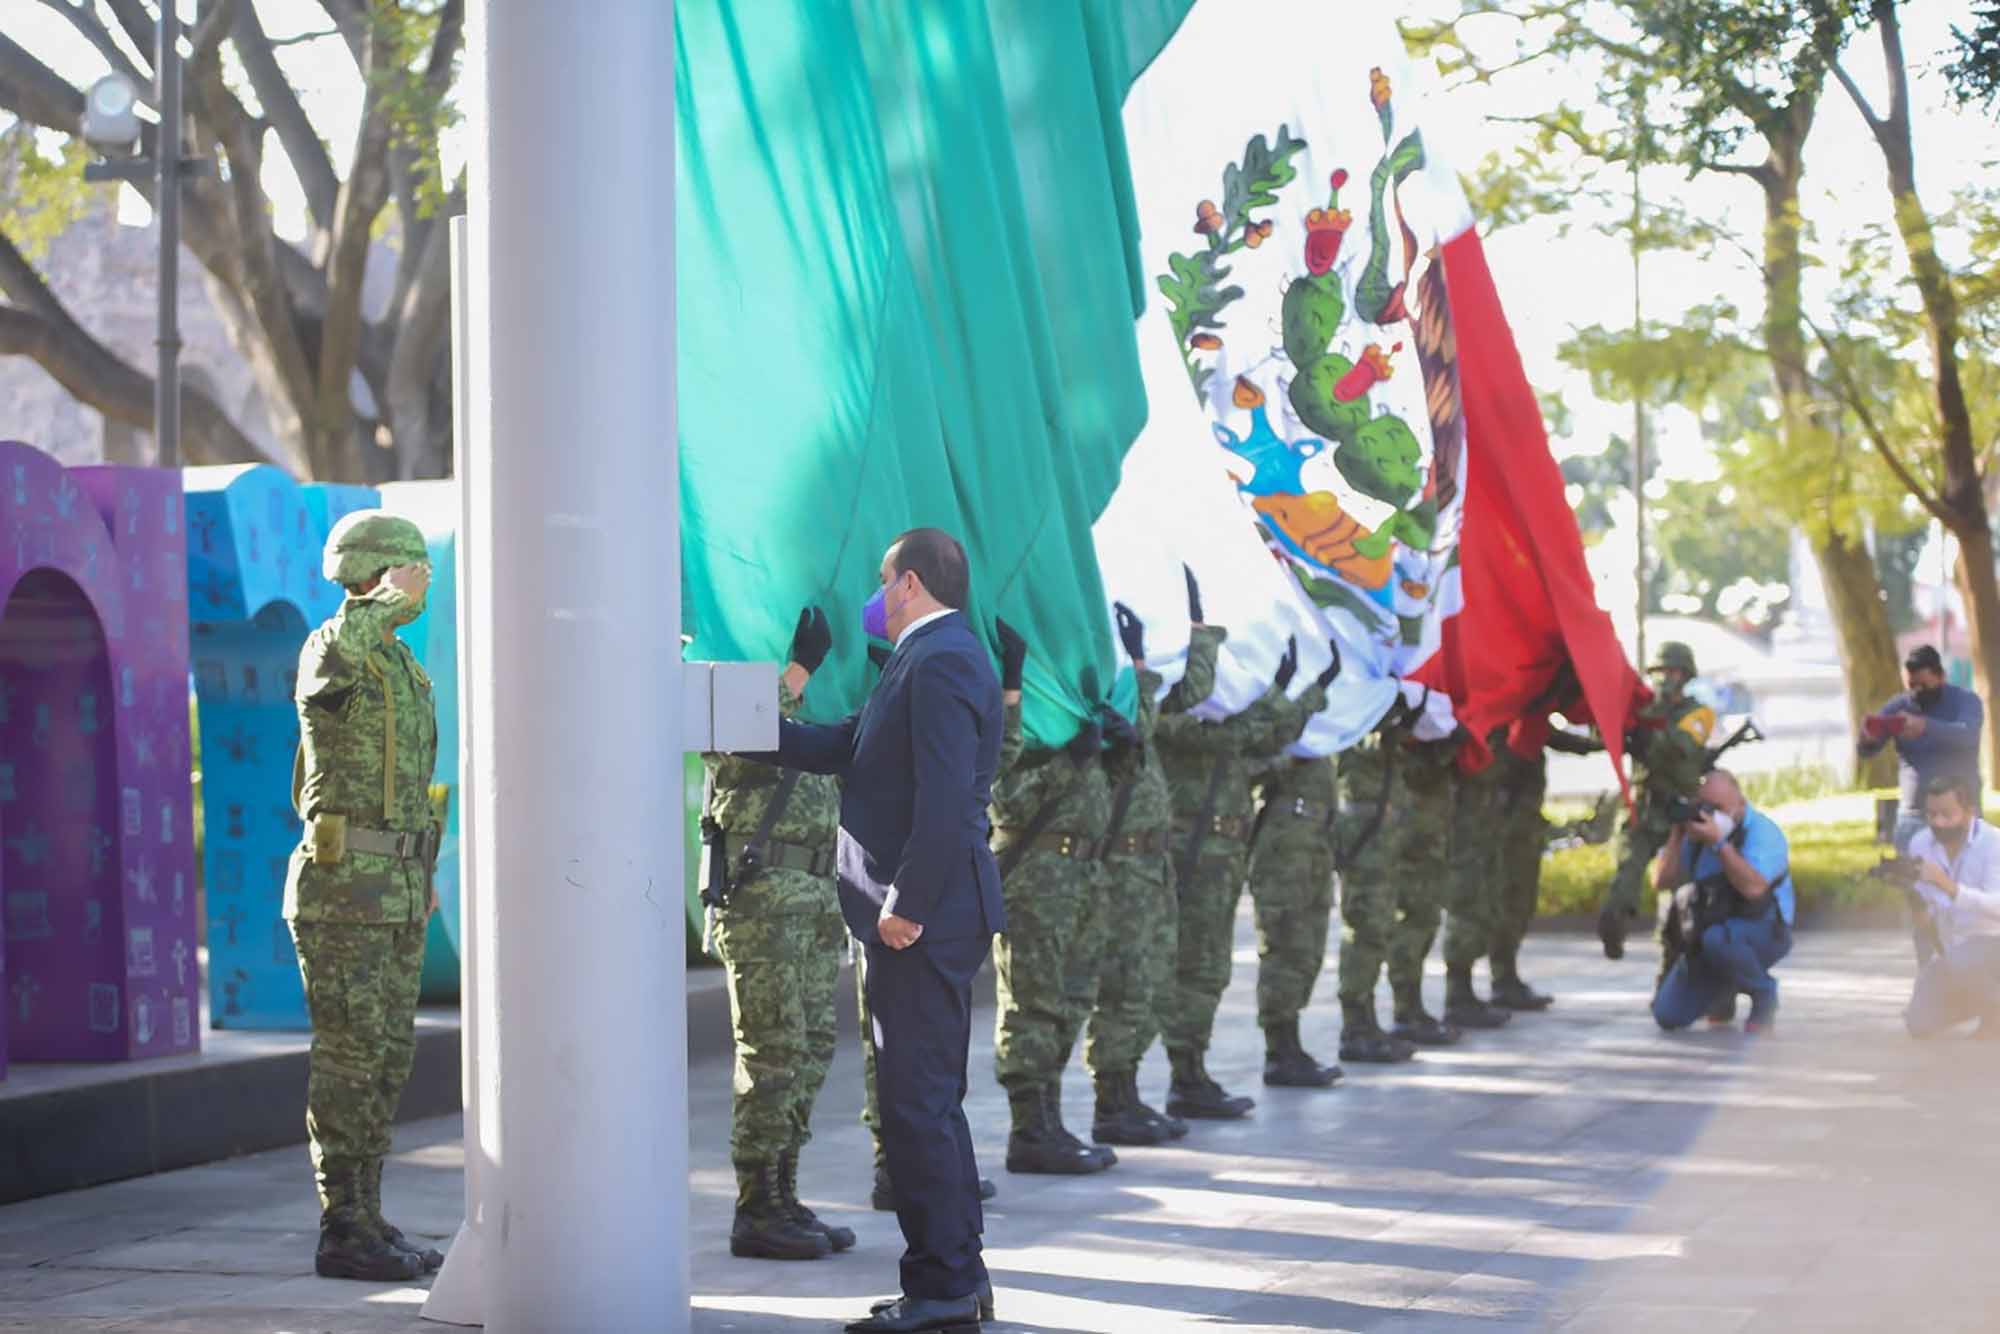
[[40, 195], [1975, 68], [1830, 863], [418, 116]]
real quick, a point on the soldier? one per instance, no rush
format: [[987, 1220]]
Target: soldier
[[1208, 770], [1366, 842], [768, 839], [1473, 894], [1050, 808], [1428, 770], [1291, 886], [1140, 957], [1524, 765], [1669, 748], [358, 892]]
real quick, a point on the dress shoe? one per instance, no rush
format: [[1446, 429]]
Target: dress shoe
[[908, 1315], [984, 1294]]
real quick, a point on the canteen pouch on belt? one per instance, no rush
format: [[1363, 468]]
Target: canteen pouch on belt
[[329, 839]]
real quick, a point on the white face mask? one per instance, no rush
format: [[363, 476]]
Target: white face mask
[[1725, 824]]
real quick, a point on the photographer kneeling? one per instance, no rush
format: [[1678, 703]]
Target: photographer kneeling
[[1958, 880], [1730, 866]]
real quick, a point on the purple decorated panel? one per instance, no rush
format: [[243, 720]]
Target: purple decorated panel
[[96, 837]]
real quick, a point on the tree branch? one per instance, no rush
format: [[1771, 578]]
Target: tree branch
[[350, 19], [39, 327], [1848, 393], [423, 326], [83, 17], [1876, 125], [302, 38], [140, 28], [287, 116], [36, 93], [216, 18]]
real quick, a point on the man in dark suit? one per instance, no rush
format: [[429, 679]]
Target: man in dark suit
[[919, 888]]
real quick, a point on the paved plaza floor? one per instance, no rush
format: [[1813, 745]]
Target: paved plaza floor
[[1576, 1171]]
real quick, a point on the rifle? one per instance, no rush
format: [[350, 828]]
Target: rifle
[[1749, 731]]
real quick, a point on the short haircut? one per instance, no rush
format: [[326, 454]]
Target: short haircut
[[937, 559], [1924, 658], [1957, 785]]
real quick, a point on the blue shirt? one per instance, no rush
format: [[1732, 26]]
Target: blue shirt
[[1949, 745], [1763, 846]]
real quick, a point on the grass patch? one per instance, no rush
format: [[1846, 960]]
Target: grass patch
[[1830, 862]]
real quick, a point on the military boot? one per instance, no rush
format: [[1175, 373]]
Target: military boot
[[371, 1177], [1611, 931], [1416, 1024], [1172, 1127], [1510, 991], [1287, 1064], [840, 1238], [1118, 1117], [764, 1227], [1195, 1095], [1362, 1038], [1052, 1100], [350, 1245], [1037, 1148], [883, 1197], [1462, 1006]]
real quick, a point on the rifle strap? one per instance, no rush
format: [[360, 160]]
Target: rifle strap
[[1121, 805], [1342, 855], [1191, 857], [1017, 847], [752, 858]]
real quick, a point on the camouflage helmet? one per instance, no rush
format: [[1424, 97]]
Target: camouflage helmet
[[367, 542], [1675, 656]]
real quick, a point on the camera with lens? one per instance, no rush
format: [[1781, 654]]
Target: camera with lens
[[1683, 810]]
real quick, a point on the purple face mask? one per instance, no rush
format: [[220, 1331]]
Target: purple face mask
[[875, 616]]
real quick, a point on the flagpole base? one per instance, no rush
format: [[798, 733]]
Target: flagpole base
[[457, 1297]]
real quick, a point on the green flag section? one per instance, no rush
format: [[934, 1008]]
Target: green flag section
[[908, 269]]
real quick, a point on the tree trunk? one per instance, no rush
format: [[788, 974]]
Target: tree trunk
[[1981, 590], [1867, 645]]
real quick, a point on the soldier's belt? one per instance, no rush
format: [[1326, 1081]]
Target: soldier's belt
[[779, 855], [1136, 845], [1224, 826], [1072, 846], [331, 838]]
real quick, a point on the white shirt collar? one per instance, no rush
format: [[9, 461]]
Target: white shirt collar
[[922, 621]]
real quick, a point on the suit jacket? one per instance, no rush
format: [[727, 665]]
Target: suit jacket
[[916, 767]]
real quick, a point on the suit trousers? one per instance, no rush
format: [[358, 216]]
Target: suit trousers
[[920, 1009]]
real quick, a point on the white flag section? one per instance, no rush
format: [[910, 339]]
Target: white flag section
[[1305, 444]]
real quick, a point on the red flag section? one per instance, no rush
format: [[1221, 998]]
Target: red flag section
[[1529, 603]]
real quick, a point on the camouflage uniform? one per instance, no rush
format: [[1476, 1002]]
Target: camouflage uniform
[[1673, 732], [1141, 956], [1291, 884], [1523, 832], [1473, 892], [780, 936], [1425, 772], [1137, 973], [1219, 757], [357, 890], [1045, 964]]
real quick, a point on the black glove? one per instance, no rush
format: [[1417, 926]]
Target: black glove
[[1194, 597], [879, 655], [1288, 666], [813, 640], [1086, 744], [1013, 652], [1118, 729], [1325, 678], [1131, 632]]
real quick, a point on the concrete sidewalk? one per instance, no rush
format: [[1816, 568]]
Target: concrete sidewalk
[[1576, 1171]]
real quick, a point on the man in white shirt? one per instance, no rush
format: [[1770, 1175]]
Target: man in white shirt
[[1959, 882]]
